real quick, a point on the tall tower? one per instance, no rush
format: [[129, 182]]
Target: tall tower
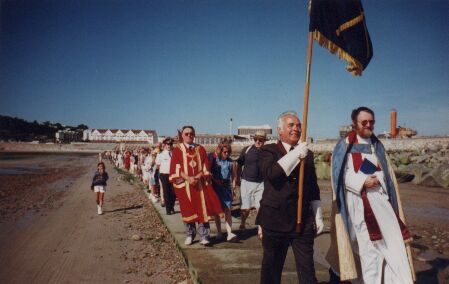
[[393, 125], [230, 127]]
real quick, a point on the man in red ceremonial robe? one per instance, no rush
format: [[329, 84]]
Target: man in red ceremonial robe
[[189, 173]]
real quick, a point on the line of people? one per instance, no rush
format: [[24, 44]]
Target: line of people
[[368, 233], [151, 165]]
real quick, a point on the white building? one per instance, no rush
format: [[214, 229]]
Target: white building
[[250, 130], [122, 135]]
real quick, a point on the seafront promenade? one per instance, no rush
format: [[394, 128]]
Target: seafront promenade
[[235, 262]]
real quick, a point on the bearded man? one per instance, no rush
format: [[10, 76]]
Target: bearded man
[[368, 233]]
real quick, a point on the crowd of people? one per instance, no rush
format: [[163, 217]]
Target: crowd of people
[[369, 239], [158, 168], [143, 163]]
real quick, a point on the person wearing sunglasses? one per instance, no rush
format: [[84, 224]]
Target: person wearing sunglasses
[[251, 183], [367, 215], [189, 173]]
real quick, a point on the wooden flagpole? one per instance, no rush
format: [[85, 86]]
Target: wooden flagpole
[[304, 131]]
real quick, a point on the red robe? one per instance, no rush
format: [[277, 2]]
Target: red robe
[[127, 160], [198, 203]]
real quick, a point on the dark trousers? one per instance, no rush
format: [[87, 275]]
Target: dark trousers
[[275, 246], [169, 194]]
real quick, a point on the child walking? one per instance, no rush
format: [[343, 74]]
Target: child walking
[[99, 185]]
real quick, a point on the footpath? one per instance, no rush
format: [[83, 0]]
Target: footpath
[[235, 262]]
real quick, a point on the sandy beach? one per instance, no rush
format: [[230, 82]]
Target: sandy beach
[[50, 231]]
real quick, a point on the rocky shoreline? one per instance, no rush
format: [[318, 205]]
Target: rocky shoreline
[[420, 161]]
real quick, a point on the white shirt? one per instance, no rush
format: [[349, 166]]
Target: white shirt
[[148, 160], [354, 181], [287, 146], [163, 161]]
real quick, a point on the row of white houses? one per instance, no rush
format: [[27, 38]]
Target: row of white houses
[[150, 136], [120, 135]]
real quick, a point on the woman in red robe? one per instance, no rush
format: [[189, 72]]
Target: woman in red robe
[[189, 173]]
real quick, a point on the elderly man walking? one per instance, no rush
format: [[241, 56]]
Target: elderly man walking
[[279, 164]]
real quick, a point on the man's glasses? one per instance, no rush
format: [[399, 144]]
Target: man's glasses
[[259, 140], [189, 134], [365, 122]]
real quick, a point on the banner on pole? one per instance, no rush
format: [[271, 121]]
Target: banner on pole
[[340, 27]]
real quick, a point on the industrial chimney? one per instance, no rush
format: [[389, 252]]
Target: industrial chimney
[[230, 128], [393, 119]]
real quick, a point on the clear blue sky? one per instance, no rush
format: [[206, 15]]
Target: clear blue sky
[[163, 64]]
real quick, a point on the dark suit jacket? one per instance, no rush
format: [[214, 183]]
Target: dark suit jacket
[[279, 202]]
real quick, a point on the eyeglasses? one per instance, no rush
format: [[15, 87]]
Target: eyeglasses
[[225, 152], [365, 122], [259, 140], [189, 134]]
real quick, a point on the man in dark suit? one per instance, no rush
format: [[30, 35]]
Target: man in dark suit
[[279, 164]]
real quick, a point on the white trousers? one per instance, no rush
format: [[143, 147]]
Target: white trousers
[[384, 261]]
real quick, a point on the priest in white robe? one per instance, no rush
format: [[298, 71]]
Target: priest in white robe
[[369, 236]]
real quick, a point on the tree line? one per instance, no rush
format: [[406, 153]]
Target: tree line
[[17, 129]]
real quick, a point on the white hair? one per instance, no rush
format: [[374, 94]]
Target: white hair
[[283, 115]]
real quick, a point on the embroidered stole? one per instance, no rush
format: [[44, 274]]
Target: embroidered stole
[[370, 219]]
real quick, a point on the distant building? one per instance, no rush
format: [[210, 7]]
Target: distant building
[[122, 135], [403, 132], [344, 130], [68, 135], [246, 130], [208, 139]]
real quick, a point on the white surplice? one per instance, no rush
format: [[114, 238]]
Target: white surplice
[[385, 259]]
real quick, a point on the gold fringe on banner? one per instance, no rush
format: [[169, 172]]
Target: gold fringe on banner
[[354, 65]]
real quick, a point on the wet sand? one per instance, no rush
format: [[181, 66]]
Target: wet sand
[[33, 183], [50, 231]]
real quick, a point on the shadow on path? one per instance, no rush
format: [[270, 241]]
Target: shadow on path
[[431, 275], [124, 209]]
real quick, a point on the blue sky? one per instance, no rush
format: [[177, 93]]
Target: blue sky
[[163, 64]]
